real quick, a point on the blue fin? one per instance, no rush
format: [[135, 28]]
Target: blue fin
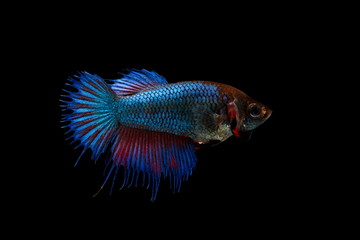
[[92, 117], [137, 80], [154, 155]]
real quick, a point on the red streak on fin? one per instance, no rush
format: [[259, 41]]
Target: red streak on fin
[[86, 130], [79, 105], [82, 114], [94, 85], [173, 164], [89, 90], [82, 97], [94, 135], [144, 150]]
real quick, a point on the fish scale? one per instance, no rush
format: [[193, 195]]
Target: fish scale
[[177, 114]]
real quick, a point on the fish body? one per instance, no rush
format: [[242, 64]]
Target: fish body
[[152, 125], [190, 109]]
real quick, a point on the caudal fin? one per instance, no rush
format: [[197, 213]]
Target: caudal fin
[[92, 113], [91, 116]]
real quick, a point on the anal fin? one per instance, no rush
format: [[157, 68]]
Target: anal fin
[[154, 154]]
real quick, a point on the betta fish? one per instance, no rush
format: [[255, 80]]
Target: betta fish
[[151, 127]]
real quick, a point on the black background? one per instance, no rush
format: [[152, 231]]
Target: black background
[[257, 174], [264, 179]]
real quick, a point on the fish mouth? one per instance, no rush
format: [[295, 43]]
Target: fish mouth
[[265, 113], [268, 113]]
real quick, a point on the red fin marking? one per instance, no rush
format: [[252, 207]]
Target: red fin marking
[[82, 114], [155, 154], [105, 139], [136, 156], [156, 167], [115, 151], [152, 154], [83, 122], [96, 86], [82, 97], [157, 151], [121, 148], [89, 90], [84, 131], [177, 153], [79, 105], [173, 164], [93, 136]]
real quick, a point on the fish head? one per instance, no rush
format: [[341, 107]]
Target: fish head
[[245, 114], [255, 114]]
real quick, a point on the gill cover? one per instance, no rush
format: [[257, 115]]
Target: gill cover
[[234, 118]]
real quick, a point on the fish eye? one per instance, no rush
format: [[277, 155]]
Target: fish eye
[[254, 110]]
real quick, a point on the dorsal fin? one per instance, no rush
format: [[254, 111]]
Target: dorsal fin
[[135, 81]]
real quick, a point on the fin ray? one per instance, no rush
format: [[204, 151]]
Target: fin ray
[[92, 119], [151, 153], [135, 81]]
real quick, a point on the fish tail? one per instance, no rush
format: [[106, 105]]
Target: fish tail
[[90, 113]]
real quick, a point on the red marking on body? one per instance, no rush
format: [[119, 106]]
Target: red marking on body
[[233, 115], [232, 111], [236, 132]]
